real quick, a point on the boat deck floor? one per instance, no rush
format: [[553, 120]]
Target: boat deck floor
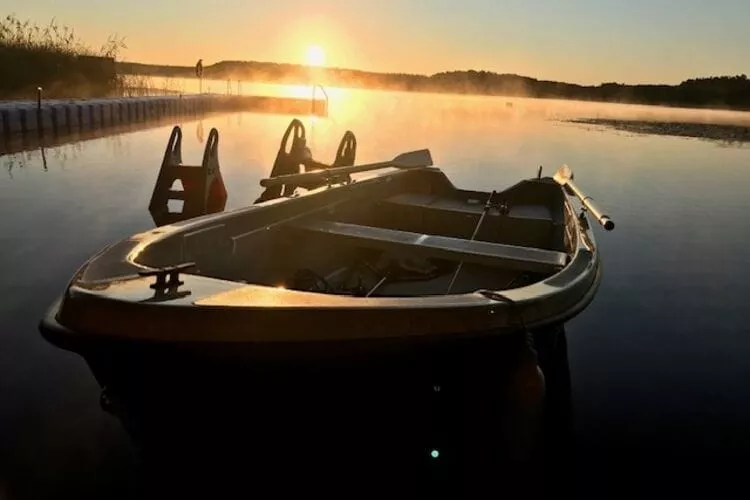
[[471, 278], [471, 206]]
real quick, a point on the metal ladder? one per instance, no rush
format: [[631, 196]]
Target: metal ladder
[[203, 191]]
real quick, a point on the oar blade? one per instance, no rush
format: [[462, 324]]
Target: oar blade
[[413, 159], [563, 175]]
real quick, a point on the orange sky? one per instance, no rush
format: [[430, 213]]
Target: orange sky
[[582, 41]]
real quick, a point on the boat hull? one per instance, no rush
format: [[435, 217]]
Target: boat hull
[[365, 409], [200, 368]]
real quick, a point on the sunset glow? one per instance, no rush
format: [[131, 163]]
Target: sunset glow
[[520, 37], [315, 56]]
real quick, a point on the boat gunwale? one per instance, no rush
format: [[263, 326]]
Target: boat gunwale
[[585, 242]]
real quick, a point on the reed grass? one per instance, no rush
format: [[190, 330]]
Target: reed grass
[[53, 38], [54, 57]]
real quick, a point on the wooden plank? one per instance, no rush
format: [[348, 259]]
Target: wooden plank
[[479, 252]]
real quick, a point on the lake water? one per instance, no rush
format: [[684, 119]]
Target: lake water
[[659, 363]]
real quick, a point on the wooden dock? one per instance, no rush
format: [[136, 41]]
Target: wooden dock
[[53, 117]]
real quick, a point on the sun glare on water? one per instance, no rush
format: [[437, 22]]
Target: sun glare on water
[[315, 56]]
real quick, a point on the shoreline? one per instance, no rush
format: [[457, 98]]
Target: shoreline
[[162, 92], [717, 132]]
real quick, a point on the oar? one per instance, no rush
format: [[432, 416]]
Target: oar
[[564, 177], [413, 159]]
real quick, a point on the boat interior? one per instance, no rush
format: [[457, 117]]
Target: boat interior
[[402, 234]]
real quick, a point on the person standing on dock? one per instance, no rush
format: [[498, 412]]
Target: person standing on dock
[[199, 74]]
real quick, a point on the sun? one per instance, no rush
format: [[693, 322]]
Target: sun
[[315, 56]]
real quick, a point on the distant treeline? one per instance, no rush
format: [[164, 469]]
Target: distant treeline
[[52, 57], [720, 92]]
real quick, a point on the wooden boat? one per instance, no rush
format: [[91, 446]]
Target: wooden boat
[[398, 265]]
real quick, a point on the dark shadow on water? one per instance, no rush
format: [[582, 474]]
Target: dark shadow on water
[[724, 134], [66, 446], [455, 426], [372, 435]]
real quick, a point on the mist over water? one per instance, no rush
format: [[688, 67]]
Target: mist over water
[[537, 107], [658, 361]]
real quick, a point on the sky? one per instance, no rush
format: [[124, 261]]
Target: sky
[[578, 41]]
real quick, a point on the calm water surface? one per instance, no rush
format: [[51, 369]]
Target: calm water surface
[[660, 361]]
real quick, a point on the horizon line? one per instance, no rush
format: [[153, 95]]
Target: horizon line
[[340, 68]]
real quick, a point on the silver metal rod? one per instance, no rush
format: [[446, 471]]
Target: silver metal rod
[[593, 209], [486, 210], [377, 285]]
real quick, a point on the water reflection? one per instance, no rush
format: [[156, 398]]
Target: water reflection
[[44, 159], [674, 287], [26, 142], [64, 149], [199, 132], [60, 157]]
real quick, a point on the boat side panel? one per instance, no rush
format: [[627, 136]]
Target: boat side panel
[[281, 317]]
